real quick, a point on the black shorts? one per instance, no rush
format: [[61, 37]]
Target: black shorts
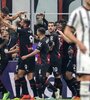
[[71, 67], [28, 65], [41, 69], [55, 66]]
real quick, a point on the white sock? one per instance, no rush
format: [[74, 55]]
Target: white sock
[[84, 90]]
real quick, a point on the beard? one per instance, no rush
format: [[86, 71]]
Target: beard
[[39, 22]]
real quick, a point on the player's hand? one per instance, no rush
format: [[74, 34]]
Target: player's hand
[[59, 31], [23, 12], [82, 47], [24, 57]]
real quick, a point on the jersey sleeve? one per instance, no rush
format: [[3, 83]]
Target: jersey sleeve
[[39, 46], [73, 19]]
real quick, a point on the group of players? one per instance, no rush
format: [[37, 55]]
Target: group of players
[[56, 62], [49, 49]]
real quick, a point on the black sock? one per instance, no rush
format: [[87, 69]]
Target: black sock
[[24, 86], [17, 87], [33, 86], [74, 86], [58, 84], [78, 88], [2, 88], [40, 86]]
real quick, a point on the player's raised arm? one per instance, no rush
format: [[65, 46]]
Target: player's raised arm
[[15, 16], [4, 22]]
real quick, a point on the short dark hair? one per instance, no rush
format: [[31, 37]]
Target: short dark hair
[[26, 21], [5, 10], [41, 30], [51, 23]]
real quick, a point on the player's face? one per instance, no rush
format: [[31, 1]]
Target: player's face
[[59, 26], [3, 28], [51, 27], [39, 19], [87, 2], [5, 35], [38, 34], [22, 23]]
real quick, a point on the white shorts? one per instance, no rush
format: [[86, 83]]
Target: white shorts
[[83, 63]]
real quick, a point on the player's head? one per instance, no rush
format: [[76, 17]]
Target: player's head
[[60, 25], [51, 27], [25, 23], [2, 28], [5, 12], [41, 32], [5, 35], [39, 18]]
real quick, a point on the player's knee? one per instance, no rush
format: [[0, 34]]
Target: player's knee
[[21, 73]]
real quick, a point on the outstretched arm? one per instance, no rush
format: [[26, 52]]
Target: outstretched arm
[[31, 54], [7, 24], [15, 16], [14, 49]]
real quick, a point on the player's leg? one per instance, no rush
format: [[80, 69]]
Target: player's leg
[[17, 82], [72, 82], [58, 85], [32, 82], [30, 74], [21, 75], [57, 74], [83, 69], [17, 86], [85, 87], [39, 79], [40, 74]]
